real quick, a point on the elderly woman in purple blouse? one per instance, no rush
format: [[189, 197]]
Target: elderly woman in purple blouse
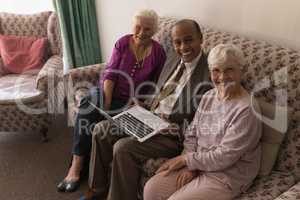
[[136, 59], [222, 151]]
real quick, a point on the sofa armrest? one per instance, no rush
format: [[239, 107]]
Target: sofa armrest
[[292, 194], [77, 83], [86, 76], [82, 78], [50, 74], [2, 72]]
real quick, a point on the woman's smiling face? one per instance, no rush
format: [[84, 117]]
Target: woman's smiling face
[[143, 30], [225, 76]]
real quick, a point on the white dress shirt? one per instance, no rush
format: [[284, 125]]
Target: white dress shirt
[[166, 105]]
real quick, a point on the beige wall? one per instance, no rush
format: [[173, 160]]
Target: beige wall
[[271, 20], [25, 6]]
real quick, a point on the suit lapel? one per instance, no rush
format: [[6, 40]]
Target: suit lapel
[[199, 75], [167, 71]]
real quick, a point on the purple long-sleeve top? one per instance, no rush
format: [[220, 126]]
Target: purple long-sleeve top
[[128, 78], [223, 141]]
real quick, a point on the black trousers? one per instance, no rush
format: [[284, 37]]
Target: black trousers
[[87, 117]]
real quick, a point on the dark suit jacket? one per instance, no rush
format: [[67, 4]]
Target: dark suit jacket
[[199, 82]]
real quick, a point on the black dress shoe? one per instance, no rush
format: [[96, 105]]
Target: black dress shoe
[[68, 186], [89, 195]]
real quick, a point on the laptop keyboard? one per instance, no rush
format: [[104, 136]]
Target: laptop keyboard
[[134, 125]]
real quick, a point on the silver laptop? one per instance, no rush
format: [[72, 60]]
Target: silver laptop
[[136, 121]]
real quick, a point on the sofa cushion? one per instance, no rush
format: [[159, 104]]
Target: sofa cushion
[[24, 24], [20, 54], [14, 88], [2, 69], [269, 187], [263, 188], [292, 193], [289, 153], [275, 124]]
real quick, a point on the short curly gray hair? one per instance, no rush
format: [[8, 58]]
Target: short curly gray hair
[[223, 53], [150, 14]]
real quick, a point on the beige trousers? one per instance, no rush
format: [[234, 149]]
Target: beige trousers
[[116, 160], [202, 187]]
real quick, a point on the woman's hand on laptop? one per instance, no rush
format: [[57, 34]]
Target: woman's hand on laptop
[[136, 102]]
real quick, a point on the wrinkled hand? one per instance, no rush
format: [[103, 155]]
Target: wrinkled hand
[[172, 165], [136, 102], [173, 127], [185, 176]]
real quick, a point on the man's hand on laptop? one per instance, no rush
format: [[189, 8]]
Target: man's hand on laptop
[[173, 127]]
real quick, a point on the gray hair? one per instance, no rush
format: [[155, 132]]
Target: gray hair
[[223, 53], [150, 14]]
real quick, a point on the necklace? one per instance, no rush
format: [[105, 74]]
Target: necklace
[[139, 63]]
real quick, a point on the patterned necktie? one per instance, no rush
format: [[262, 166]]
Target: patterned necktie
[[169, 88]]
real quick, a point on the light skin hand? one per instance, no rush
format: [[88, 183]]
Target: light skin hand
[[185, 176], [172, 165], [137, 102], [108, 87]]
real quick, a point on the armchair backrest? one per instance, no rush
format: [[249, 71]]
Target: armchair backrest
[[43, 24]]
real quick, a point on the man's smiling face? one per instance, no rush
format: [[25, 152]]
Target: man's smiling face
[[186, 41]]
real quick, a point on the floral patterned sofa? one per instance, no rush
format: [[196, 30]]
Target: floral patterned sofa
[[26, 99], [270, 71]]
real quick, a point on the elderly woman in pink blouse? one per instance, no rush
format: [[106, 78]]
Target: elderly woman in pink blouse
[[136, 59], [222, 152]]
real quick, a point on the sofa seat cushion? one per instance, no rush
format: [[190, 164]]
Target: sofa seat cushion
[[15, 87], [291, 194], [269, 187], [263, 188]]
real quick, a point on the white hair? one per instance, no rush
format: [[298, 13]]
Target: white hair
[[223, 53], [150, 14]]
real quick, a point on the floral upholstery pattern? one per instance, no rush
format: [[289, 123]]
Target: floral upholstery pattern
[[51, 69], [16, 119], [29, 111], [24, 24], [53, 32], [271, 73], [289, 155], [292, 194], [263, 188], [269, 187], [2, 71], [50, 81], [78, 81]]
